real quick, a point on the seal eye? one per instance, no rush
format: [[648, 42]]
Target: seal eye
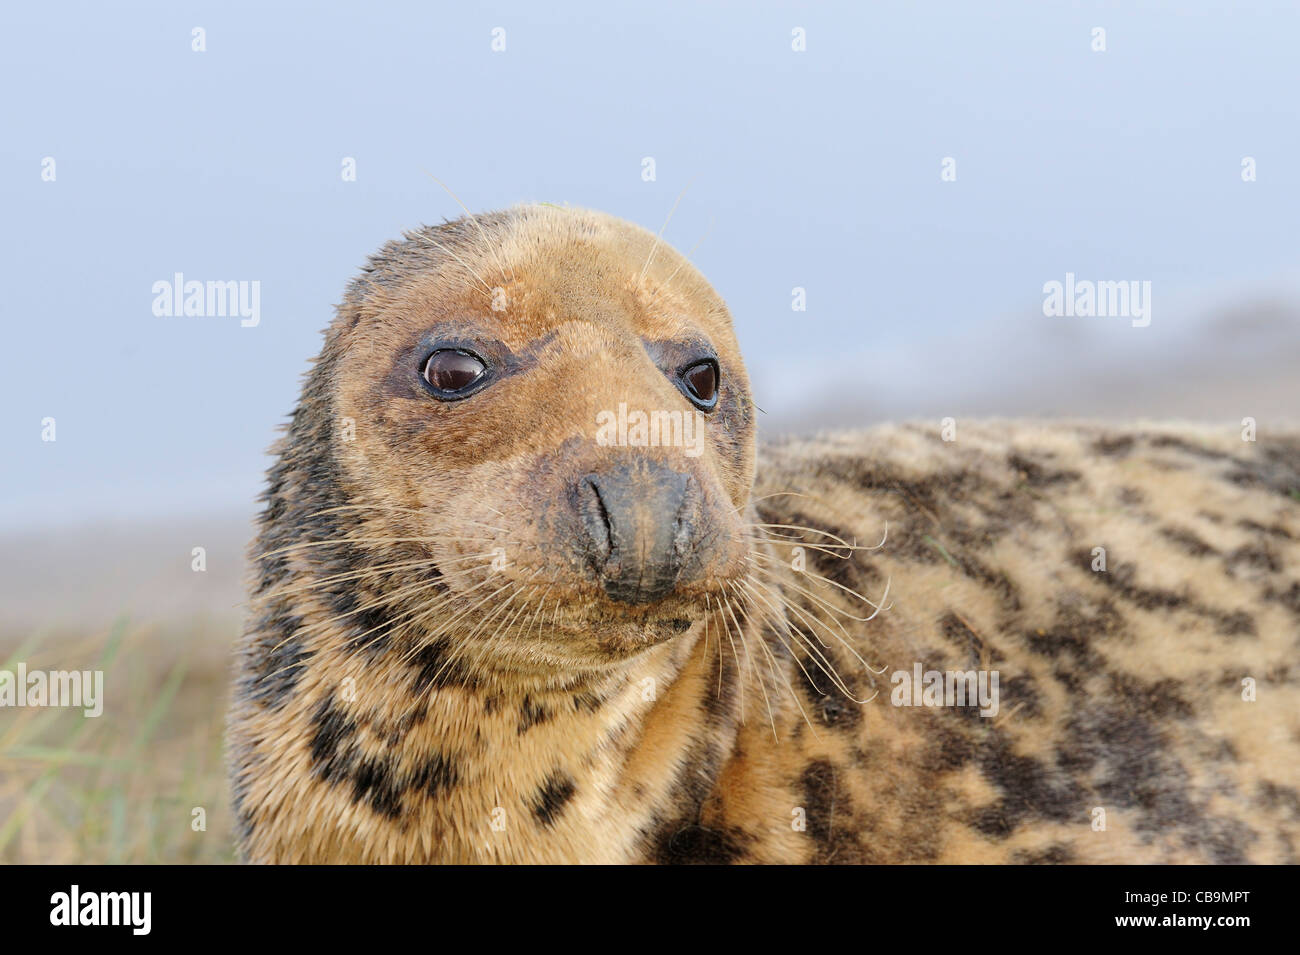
[[452, 373], [701, 381]]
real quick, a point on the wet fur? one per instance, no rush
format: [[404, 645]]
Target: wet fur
[[399, 700]]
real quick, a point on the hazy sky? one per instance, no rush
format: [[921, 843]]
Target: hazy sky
[[818, 169]]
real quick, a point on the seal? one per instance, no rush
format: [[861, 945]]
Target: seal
[[526, 590]]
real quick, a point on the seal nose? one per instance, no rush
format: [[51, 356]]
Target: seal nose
[[637, 525]]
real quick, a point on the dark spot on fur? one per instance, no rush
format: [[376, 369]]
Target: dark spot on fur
[[1053, 855], [1068, 677], [1036, 475], [972, 511], [1274, 466], [332, 731], [437, 775], [1080, 620], [373, 781], [1160, 700], [689, 835], [552, 798], [843, 567], [1113, 446], [530, 714], [1289, 598], [1126, 759], [1122, 579], [1187, 447], [1029, 791], [826, 803], [434, 668], [1273, 530], [961, 636], [1234, 623], [1276, 796], [1187, 541], [1224, 840], [838, 712], [721, 700], [997, 581], [278, 658], [359, 614], [694, 844], [1131, 497], [1258, 557], [1222, 751], [1053, 643], [1021, 692], [951, 749]]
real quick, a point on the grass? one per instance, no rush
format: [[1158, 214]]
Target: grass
[[940, 548], [120, 787]]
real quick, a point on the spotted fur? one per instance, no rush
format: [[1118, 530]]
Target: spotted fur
[[397, 699]]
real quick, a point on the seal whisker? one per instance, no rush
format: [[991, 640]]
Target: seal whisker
[[779, 541], [394, 599], [398, 508], [840, 543], [812, 620], [343, 541], [388, 623], [414, 617], [769, 571], [680, 265], [504, 626], [775, 614], [462, 645], [771, 564], [771, 717], [468, 641], [655, 245], [740, 634], [465, 265], [377, 572], [816, 654], [823, 602], [819, 658], [474, 219], [740, 683]]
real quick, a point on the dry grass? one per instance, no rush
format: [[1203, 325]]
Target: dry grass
[[120, 787]]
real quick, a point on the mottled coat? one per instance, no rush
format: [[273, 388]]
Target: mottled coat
[[431, 673]]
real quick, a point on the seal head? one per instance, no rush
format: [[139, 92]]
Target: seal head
[[550, 405]]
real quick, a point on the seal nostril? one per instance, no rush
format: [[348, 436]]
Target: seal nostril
[[684, 520], [595, 520], [637, 525]]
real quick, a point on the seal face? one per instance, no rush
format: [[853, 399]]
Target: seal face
[[475, 379], [519, 596]]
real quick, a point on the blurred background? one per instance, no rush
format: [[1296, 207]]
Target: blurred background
[[1171, 156]]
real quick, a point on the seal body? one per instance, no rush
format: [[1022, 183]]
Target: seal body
[[526, 591]]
